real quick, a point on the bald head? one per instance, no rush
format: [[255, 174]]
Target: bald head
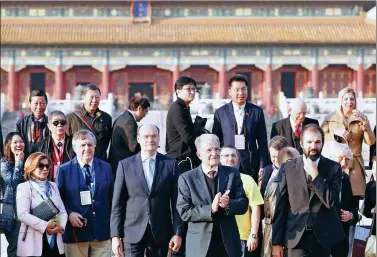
[[298, 111], [148, 138]]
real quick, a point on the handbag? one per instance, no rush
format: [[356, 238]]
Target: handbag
[[46, 210], [361, 234], [7, 218], [370, 248]]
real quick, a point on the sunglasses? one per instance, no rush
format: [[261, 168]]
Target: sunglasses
[[42, 166], [57, 122]]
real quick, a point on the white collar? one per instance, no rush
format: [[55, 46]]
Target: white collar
[[57, 141], [82, 164], [316, 162], [293, 123], [143, 157], [206, 170], [133, 115], [236, 108]]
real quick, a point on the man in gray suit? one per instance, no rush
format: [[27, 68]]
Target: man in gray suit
[[145, 193], [208, 198]]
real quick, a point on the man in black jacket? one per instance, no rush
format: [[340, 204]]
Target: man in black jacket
[[124, 139], [180, 129], [291, 127], [90, 117], [33, 127], [58, 146]]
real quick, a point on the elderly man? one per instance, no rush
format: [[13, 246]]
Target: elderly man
[[123, 141], [248, 224], [86, 188], [209, 197], [306, 220], [58, 146], [90, 117], [242, 125], [291, 127], [33, 127], [145, 195]]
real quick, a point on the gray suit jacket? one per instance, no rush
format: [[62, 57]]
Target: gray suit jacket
[[194, 206]]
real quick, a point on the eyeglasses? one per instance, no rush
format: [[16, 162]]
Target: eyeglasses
[[243, 89], [42, 166], [229, 155], [57, 122], [191, 89]]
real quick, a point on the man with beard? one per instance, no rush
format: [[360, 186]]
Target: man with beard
[[291, 127], [306, 222], [92, 118]]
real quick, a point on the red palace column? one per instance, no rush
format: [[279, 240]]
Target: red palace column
[[13, 92], [360, 78], [59, 90], [175, 72], [314, 75], [268, 86], [222, 79], [105, 81]]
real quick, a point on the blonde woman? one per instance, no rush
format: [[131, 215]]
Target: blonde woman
[[347, 205], [349, 126], [43, 238]]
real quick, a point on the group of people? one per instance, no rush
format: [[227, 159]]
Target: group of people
[[229, 193]]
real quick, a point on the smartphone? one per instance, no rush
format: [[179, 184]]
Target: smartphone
[[84, 221]]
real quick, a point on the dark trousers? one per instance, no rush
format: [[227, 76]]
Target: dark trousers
[[12, 238], [216, 247], [148, 245], [256, 253], [307, 247], [47, 251]]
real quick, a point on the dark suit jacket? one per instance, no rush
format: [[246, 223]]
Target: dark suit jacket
[[297, 199], [254, 129], [133, 205], [267, 172], [70, 183], [372, 151], [124, 133], [195, 204], [1, 142], [283, 128], [180, 134]]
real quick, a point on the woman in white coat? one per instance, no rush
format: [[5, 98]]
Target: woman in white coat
[[43, 238]]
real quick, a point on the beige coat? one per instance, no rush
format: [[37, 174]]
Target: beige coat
[[33, 244], [333, 121]]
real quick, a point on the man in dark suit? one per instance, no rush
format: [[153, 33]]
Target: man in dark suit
[[86, 188], [145, 195], [291, 127], [180, 135], [241, 124], [208, 198], [123, 141], [306, 218]]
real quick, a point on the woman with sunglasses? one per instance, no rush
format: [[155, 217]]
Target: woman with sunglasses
[[58, 146], [43, 238], [12, 171]]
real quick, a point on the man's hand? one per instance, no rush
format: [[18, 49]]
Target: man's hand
[[74, 218], [175, 243], [215, 203], [311, 168], [224, 200], [57, 229], [277, 251], [117, 246], [252, 243], [373, 211], [343, 133]]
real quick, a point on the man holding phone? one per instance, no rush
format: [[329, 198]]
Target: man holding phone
[[86, 188]]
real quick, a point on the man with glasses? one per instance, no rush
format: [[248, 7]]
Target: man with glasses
[[180, 131], [92, 118], [241, 124], [58, 146]]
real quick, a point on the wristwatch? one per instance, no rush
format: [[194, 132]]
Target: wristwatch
[[254, 236]]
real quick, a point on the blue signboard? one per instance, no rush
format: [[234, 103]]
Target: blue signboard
[[140, 11]]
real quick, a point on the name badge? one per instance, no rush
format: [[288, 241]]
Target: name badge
[[85, 197], [239, 142]]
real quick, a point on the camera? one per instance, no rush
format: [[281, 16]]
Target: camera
[[84, 221]]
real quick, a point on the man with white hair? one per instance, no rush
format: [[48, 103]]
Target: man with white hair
[[209, 197], [291, 127]]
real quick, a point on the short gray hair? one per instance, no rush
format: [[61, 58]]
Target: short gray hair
[[333, 150], [204, 137], [83, 134]]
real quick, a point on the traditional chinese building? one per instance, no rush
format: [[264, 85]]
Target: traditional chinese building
[[144, 47]]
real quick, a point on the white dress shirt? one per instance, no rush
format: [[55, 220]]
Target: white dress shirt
[[133, 115], [293, 125], [239, 114], [145, 160], [274, 173], [206, 170]]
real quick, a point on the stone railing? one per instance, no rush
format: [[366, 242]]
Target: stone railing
[[68, 105], [318, 108]]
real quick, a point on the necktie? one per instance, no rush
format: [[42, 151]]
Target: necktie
[[150, 173], [88, 177], [59, 145], [211, 174], [297, 130]]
